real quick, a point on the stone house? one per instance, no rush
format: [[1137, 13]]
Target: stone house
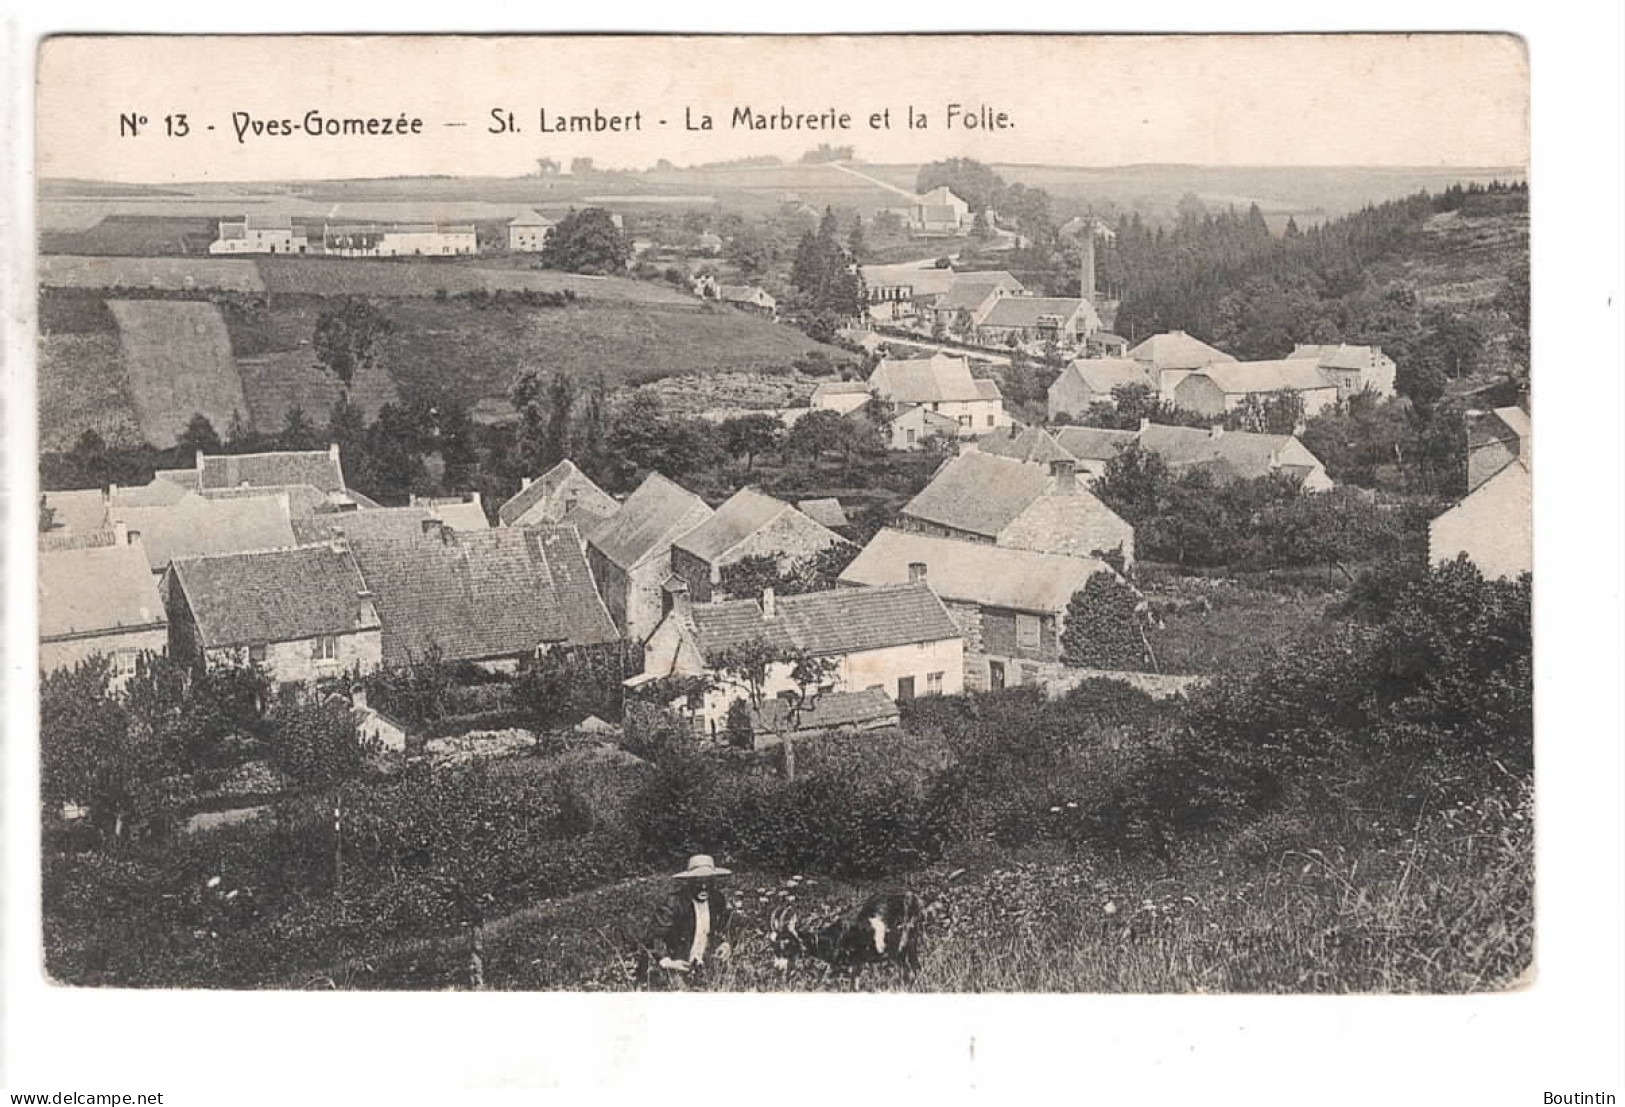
[[1009, 604], [197, 525], [943, 385], [1226, 386], [1355, 368], [1037, 320], [563, 494], [1032, 444], [939, 211], [1494, 523], [1227, 455], [917, 427], [749, 297], [99, 600], [302, 614], [897, 640], [495, 598], [1174, 355], [630, 552], [999, 501], [748, 524], [969, 298], [840, 396], [528, 232], [1089, 381]]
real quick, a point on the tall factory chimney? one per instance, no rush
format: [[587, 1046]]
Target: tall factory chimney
[[1086, 287]]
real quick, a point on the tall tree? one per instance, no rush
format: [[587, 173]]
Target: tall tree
[[199, 434], [347, 336], [586, 241]]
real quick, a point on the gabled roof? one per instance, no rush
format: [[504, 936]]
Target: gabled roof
[[1025, 311], [303, 499], [987, 389], [742, 293], [1094, 443], [289, 595], [1284, 374], [829, 623], [974, 572], [967, 294], [924, 282], [377, 524], [530, 219], [156, 493], [1232, 453], [647, 522], [942, 194], [1025, 444], [96, 590], [1339, 355], [474, 595], [740, 516], [924, 380], [1516, 420], [979, 492], [550, 482], [196, 526], [1177, 350], [1102, 374], [825, 512], [315, 467], [840, 388]]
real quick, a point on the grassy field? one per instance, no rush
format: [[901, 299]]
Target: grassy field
[[82, 386], [169, 274], [1212, 625], [177, 357], [388, 278], [1444, 905]]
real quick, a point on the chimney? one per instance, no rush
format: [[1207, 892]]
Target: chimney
[[339, 544], [333, 452], [770, 604], [474, 498], [1086, 279], [121, 534], [1144, 424], [524, 483], [1065, 472], [430, 525], [916, 571], [358, 697]]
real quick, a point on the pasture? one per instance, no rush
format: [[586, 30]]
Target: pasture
[[404, 279], [116, 274], [178, 360]]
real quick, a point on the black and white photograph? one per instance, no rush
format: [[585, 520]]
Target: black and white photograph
[[757, 517]]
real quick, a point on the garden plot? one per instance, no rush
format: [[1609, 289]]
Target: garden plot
[[178, 357]]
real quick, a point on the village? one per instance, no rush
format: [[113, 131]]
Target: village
[[971, 492]]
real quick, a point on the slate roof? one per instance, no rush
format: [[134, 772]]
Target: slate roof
[[476, 595], [196, 526], [290, 595], [924, 380], [378, 524], [967, 295], [530, 219], [1094, 443], [979, 492], [743, 293], [829, 623], [1026, 444], [77, 510], [1177, 350], [303, 499], [1024, 311], [840, 388], [1283, 374], [96, 590], [1232, 454], [1340, 355], [973, 572], [314, 467], [157, 493], [78, 539], [924, 282], [546, 484], [646, 523], [825, 512], [830, 710], [740, 516], [1102, 374], [987, 389], [1516, 419]]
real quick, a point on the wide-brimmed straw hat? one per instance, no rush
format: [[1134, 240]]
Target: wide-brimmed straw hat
[[701, 866]]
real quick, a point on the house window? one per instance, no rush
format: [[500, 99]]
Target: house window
[[1029, 674], [990, 420], [905, 689], [1027, 631], [933, 684], [325, 648], [696, 701], [257, 654], [911, 438], [123, 663], [964, 420], [995, 675]]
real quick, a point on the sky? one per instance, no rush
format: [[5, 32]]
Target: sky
[[1412, 100]]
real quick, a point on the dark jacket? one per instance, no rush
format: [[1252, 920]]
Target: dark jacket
[[674, 924]]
